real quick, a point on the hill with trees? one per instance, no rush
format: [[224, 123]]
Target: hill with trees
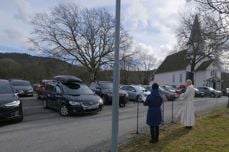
[[34, 69]]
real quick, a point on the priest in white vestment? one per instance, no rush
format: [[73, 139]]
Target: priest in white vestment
[[188, 110]]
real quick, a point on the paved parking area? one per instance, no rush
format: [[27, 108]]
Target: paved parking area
[[44, 130]]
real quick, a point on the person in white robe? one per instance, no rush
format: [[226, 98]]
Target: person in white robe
[[187, 111]]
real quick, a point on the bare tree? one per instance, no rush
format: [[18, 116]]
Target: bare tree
[[219, 10], [127, 64], [148, 62], [221, 6], [202, 39], [83, 35]]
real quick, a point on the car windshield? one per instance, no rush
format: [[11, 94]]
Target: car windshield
[[106, 85], [5, 88], [161, 88], [20, 83], [211, 89], [76, 89], [169, 87], [139, 88], [149, 88]]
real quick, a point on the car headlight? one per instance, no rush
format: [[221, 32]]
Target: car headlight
[[30, 90], [14, 103], [74, 103], [100, 101], [20, 91]]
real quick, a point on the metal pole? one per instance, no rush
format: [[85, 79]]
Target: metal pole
[[228, 101], [227, 92], [172, 112], [163, 113], [116, 79], [137, 116]]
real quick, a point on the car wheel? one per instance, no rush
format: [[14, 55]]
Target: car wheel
[[20, 119], [45, 104], [168, 98], [138, 99], [64, 110], [104, 99], [100, 108], [213, 95], [21, 116]]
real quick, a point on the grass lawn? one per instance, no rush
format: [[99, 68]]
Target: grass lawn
[[210, 134]]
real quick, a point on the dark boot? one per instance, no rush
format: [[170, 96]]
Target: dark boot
[[157, 133], [188, 127], [154, 137]]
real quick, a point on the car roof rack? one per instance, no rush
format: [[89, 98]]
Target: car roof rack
[[67, 78]]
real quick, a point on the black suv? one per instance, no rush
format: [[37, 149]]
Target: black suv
[[10, 105], [22, 87], [104, 89], [68, 95]]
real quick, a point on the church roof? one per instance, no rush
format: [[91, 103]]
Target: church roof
[[174, 62], [204, 65]]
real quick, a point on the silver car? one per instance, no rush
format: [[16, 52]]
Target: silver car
[[135, 92]]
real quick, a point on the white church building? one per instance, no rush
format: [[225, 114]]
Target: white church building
[[175, 69]]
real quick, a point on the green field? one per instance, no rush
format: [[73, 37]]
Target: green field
[[210, 134]]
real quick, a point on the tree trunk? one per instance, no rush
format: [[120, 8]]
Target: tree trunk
[[192, 72], [92, 75]]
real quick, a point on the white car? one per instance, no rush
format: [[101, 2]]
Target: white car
[[136, 92]]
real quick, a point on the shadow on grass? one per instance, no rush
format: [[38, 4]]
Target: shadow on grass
[[172, 136]]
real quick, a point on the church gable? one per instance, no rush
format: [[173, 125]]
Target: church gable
[[174, 62]]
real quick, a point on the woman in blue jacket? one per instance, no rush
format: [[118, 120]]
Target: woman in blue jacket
[[154, 101]]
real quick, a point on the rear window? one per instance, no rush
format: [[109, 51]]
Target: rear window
[[5, 88], [106, 85]]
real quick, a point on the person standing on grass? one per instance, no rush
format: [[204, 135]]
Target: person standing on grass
[[187, 111], [154, 101]]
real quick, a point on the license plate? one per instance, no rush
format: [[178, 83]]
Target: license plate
[[92, 107]]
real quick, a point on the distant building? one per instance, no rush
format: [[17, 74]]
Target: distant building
[[175, 70]]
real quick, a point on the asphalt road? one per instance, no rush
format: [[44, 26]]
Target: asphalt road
[[44, 130]]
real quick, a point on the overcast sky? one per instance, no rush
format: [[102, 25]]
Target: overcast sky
[[152, 23]]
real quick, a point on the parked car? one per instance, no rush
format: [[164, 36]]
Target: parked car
[[105, 90], [10, 105], [171, 96], [69, 95], [210, 92], [169, 88], [136, 92], [167, 95], [36, 86], [22, 87], [199, 93], [182, 88], [41, 88]]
